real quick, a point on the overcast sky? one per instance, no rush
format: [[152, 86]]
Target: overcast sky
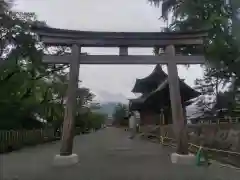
[[108, 82]]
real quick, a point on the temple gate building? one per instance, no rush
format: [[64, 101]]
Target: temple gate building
[[154, 104]]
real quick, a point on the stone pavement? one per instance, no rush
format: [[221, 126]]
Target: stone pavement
[[104, 155]]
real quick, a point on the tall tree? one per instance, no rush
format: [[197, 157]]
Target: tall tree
[[29, 88], [210, 88], [235, 4], [119, 114], [220, 47]]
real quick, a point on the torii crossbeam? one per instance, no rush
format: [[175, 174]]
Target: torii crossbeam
[[123, 40]]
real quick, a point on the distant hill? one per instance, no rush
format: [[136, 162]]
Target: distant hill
[[107, 108]]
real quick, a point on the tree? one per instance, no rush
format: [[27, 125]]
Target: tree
[[29, 88], [89, 119], [220, 47], [4, 5], [119, 115], [84, 99], [210, 88], [166, 6], [235, 4], [216, 95]]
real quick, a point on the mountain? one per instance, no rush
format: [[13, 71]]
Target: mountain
[[107, 108], [108, 97]]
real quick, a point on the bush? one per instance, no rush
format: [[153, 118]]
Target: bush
[[120, 115], [88, 121]]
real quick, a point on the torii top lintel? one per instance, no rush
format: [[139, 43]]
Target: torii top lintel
[[53, 36]]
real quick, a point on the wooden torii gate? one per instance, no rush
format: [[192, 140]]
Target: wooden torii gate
[[123, 40]]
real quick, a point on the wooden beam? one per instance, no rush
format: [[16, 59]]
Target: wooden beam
[[70, 110], [111, 42], [176, 104], [130, 59], [65, 33], [48, 31]]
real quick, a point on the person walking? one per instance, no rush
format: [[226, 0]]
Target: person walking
[[132, 125]]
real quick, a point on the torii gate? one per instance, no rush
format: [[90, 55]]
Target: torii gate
[[123, 40]]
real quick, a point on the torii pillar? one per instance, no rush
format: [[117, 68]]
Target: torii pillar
[[66, 157], [176, 104]]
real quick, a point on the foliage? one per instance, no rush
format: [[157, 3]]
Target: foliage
[[90, 120], [235, 4], [119, 115], [210, 88], [30, 89], [166, 6], [220, 47]]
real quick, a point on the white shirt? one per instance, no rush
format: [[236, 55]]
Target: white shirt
[[132, 122]]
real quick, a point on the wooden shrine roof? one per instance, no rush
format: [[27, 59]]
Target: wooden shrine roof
[[187, 93], [150, 82], [160, 97]]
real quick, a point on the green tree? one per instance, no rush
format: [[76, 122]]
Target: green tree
[[119, 114], [89, 120], [29, 88], [235, 4], [210, 88], [220, 47]]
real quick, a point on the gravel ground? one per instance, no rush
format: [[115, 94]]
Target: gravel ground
[[104, 155]]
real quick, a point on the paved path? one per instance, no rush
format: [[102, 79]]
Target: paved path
[[106, 155]]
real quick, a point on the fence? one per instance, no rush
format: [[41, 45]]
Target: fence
[[12, 140], [166, 136], [219, 141], [230, 120]]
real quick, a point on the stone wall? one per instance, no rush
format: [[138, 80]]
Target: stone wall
[[219, 136]]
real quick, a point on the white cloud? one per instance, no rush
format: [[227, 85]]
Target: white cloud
[[105, 15]]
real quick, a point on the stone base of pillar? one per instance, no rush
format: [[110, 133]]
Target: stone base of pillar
[[188, 159], [65, 160]]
